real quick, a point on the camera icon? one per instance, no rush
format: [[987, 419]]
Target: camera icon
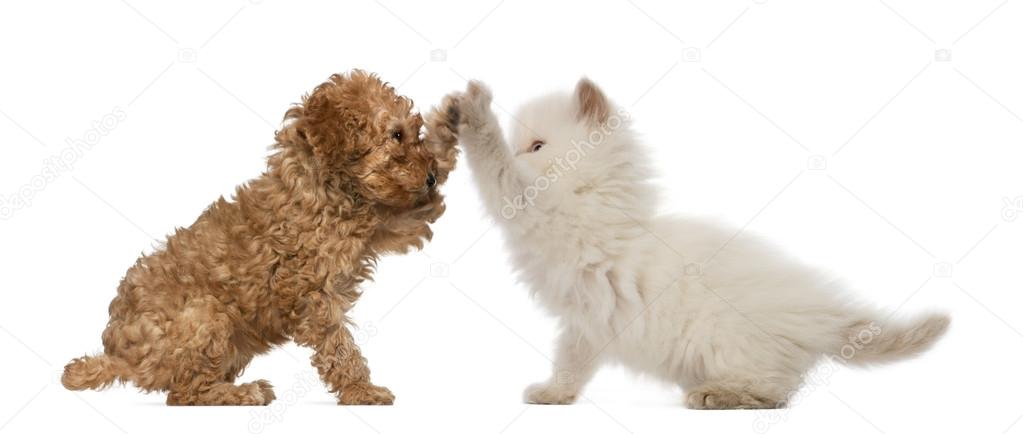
[[943, 55], [692, 269], [564, 377], [440, 269], [943, 269], [817, 162], [438, 55], [187, 55], [690, 54]]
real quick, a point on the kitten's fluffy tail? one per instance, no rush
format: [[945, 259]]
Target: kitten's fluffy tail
[[872, 342]]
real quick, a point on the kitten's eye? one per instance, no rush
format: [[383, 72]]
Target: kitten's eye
[[396, 135], [537, 144]]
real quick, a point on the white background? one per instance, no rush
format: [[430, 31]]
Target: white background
[[837, 129]]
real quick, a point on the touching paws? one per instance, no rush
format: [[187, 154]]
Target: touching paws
[[474, 104], [546, 393]]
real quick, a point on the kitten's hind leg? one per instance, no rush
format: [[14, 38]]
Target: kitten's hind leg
[[741, 393], [574, 366]]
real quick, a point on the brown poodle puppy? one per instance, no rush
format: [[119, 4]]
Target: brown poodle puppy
[[350, 178]]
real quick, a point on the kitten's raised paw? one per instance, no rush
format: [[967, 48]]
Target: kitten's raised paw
[[544, 393], [479, 93], [475, 103]]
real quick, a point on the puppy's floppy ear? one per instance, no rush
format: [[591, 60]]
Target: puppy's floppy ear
[[592, 104], [321, 121]]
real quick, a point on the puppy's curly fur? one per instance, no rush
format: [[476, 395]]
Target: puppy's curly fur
[[350, 178]]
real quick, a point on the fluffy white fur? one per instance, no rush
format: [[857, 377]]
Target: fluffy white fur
[[734, 322]]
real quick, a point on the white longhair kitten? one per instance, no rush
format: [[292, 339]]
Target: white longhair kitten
[[731, 320]]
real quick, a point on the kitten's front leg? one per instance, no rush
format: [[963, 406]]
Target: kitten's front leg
[[493, 164], [574, 365]]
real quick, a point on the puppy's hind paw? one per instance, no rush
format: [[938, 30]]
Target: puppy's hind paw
[[266, 390], [544, 393]]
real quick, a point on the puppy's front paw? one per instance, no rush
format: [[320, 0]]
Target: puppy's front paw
[[267, 390], [442, 123], [365, 394], [546, 393], [451, 112]]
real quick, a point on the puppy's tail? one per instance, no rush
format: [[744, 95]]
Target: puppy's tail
[[94, 372], [871, 342]]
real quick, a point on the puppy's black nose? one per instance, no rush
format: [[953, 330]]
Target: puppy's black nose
[[430, 180]]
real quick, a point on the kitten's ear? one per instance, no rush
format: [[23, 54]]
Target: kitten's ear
[[593, 105]]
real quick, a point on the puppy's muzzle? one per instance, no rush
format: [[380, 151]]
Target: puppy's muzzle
[[430, 180]]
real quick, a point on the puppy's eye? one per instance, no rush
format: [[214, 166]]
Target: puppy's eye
[[396, 135], [537, 144]]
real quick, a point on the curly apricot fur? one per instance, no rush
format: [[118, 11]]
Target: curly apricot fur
[[346, 182]]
